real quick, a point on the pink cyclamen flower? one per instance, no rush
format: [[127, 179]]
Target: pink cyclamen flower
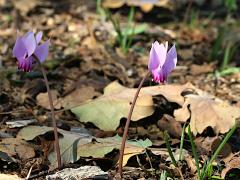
[[161, 61], [27, 47]]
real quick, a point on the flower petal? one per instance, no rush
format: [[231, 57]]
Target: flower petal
[[171, 61], [42, 51], [29, 42], [19, 50], [39, 36], [157, 57]]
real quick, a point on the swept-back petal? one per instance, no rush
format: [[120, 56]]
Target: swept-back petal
[[171, 61], [29, 42], [157, 56], [19, 49], [39, 36], [42, 51]]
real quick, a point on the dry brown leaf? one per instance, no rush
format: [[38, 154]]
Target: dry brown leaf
[[201, 69], [73, 99], [234, 163], [9, 177], [172, 92], [204, 111], [191, 164], [169, 124], [76, 145], [24, 6], [113, 3], [16, 146], [106, 111], [145, 6], [78, 96], [42, 100], [208, 145]]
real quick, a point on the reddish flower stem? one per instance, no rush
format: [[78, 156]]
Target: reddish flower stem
[[56, 142], [125, 133]]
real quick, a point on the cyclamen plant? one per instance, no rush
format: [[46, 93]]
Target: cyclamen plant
[[162, 62], [28, 51], [160, 65]]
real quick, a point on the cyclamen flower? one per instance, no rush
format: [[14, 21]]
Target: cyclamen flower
[[161, 61], [27, 47]]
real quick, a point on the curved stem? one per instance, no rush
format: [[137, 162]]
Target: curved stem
[[125, 133], [56, 142]]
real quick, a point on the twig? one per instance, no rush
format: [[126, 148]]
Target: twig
[[56, 142], [29, 173], [125, 133]]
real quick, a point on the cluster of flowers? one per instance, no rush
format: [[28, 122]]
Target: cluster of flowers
[[27, 50]]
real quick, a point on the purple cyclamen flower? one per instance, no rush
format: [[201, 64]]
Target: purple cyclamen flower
[[162, 62], [26, 47]]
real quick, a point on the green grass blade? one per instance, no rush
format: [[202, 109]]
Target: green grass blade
[[229, 134], [194, 152], [166, 139], [182, 141]]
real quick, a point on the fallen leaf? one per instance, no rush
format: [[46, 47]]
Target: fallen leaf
[[146, 6], [169, 124], [17, 146], [24, 6], [43, 100], [71, 100], [107, 110], [10, 177], [78, 96], [204, 111], [113, 3], [76, 145], [191, 164], [234, 163], [201, 69], [208, 145]]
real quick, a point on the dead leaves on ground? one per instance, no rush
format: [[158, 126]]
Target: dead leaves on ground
[[106, 111], [17, 148], [205, 111], [202, 109], [76, 145]]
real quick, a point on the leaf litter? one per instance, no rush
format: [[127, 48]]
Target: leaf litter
[[76, 145]]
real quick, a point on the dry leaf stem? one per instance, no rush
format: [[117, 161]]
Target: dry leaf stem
[[56, 142], [125, 133]]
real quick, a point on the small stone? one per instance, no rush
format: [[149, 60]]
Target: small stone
[[84, 172]]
